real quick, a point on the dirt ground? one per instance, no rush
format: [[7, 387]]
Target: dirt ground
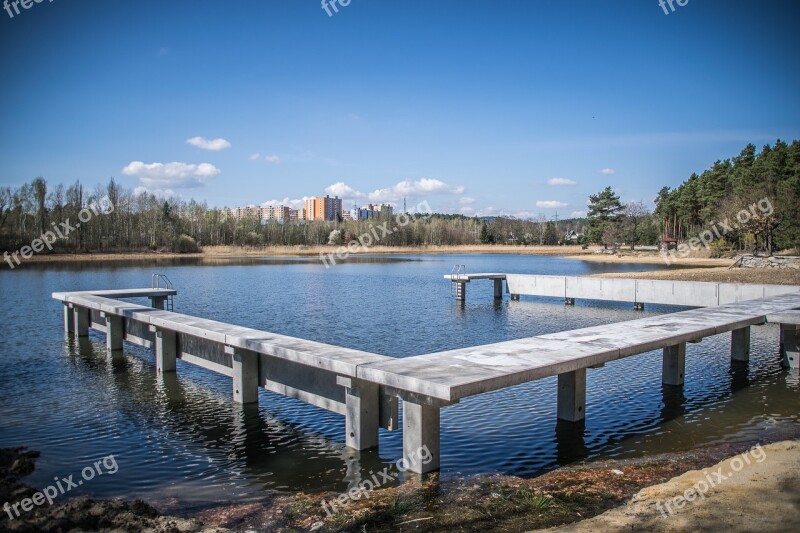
[[717, 274], [761, 496]]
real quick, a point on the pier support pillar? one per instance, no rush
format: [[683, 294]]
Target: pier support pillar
[[572, 396], [498, 289], [157, 302], [420, 437], [790, 351], [363, 413], [166, 350], [81, 322], [674, 366], [740, 344], [569, 301], [115, 332], [245, 375], [69, 320]]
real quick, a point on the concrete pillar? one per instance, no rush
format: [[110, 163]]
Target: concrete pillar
[[81, 322], [498, 289], [791, 347], [166, 350], [69, 320], [157, 302], [572, 395], [115, 331], [740, 344], [674, 366], [461, 291], [569, 301], [421, 437], [363, 413], [245, 375]]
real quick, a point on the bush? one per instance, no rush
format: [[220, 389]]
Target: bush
[[185, 245]]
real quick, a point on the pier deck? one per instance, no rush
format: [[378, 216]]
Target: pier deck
[[365, 387]]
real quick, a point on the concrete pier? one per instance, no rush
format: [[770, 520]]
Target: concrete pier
[[572, 395], [365, 387], [421, 427], [740, 344], [498, 289], [166, 347], [673, 368]]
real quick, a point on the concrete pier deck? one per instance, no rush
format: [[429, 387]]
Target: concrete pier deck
[[365, 387]]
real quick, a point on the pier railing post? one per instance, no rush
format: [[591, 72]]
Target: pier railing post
[[363, 413], [115, 331], [245, 375], [674, 365], [69, 319], [421, 432], [740, 344], [166, 346], [81, 321], [572, 395], [790, 351]]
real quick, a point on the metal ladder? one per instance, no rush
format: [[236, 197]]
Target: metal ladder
[[455, 288], [159, 279]]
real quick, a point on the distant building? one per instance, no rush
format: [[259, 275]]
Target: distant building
[[372, 211], [297, 215], [324, 209], [279, 214]]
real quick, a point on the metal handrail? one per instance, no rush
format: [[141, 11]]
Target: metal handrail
[[158, 278]]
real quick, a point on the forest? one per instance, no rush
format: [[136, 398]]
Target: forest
[[144, 221]]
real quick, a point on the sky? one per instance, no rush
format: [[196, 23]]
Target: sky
[[519, 108]]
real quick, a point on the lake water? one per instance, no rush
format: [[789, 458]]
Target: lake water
[[181, 443]]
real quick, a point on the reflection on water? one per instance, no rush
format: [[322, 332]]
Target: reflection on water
[[180, 441]]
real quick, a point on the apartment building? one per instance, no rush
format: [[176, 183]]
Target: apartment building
[[324, 209]]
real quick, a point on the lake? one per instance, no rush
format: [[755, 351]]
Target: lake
[[181, 443]]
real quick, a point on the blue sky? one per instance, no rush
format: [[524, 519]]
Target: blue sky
[[513, 107]]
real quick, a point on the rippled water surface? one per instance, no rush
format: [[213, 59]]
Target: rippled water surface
[[181, 442]]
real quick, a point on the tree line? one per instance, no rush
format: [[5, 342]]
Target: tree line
[[712, 199], [143, 221]]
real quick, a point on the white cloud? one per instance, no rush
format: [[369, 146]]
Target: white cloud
[[343, 190], [298, 203], [215, 145], [560, 181], [272, 158], [166, 175], [550, 204], [411, 189], [467, 210], [578, 214], [608, 171], [466, 200]]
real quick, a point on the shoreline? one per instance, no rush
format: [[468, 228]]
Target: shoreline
[[600, 494]]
